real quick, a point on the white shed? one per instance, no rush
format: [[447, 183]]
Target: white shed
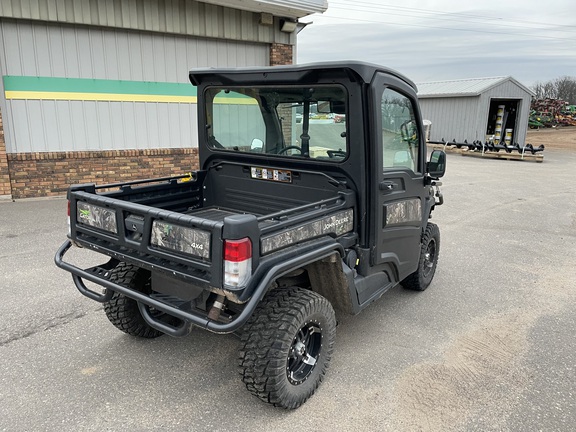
[[476, 109]]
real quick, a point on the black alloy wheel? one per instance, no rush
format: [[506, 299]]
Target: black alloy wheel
[[429, 251], [304, 352], [429, 259], [287, 346]]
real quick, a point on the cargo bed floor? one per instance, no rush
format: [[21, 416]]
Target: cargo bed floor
[[213, 213]]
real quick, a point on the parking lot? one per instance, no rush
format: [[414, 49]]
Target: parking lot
[[489, 346]]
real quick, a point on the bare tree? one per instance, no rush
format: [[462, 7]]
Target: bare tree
[[566, 89], [563, 88], [537, 88]]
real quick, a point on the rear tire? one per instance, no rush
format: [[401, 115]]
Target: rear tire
[[429, 250], [123, 311], [287, 346]]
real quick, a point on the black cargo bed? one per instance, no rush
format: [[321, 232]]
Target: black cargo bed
[[216, 214]]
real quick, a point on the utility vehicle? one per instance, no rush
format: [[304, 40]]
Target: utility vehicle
[[291, 216]]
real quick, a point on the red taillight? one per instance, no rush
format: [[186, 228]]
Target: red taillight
[[237, 263], [237, 250], [68, 219]]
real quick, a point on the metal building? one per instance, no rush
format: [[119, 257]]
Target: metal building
[[476, 109], [97, 90]]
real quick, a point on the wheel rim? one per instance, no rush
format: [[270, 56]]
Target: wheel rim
[[304, 352], [429, 258]]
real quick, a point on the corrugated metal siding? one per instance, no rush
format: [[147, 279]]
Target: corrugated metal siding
[[34, 49], [39, 126], [506, 90], [40, 49], [185, 17], [452, 118], [238, 125]]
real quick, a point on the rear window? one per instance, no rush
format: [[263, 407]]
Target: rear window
[[303, 122]]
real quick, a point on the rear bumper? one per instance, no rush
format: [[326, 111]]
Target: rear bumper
[[264, 275]]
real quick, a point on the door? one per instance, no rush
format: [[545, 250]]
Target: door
[[399, 171]]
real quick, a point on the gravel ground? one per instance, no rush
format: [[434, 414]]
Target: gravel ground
[[561, 138]]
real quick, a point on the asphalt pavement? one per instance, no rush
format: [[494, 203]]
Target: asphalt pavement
[[488, 347]]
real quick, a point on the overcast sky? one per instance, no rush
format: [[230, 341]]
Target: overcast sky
[[429, 40]]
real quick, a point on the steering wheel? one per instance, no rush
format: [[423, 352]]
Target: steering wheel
[[292, 147], [332, 153]]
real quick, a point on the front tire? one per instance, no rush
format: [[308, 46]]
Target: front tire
[[429, 250], [123, 311], [287, 346]]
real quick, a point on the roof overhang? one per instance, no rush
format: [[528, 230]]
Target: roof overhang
[[281, 8], [472, 87], [447, 95]]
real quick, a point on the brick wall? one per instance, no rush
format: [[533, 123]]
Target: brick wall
[[50, 173], [4, 173], [281, 54]]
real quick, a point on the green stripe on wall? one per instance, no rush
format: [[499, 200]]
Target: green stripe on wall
[[83, 85], [82, 89]]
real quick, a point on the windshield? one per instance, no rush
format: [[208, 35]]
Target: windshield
[[304, 122]]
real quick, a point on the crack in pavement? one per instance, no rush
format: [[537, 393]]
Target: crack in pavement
[[55, 322]]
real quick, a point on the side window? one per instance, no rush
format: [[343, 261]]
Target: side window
[[399, 132]]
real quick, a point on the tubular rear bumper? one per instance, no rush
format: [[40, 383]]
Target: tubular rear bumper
[[264, 275]]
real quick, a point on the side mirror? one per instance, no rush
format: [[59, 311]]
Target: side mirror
[[338, 107], [323, 107], [436, 168], [257, 145], [331, 107]]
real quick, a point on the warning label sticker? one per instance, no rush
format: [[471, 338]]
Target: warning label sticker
[[283, 176]]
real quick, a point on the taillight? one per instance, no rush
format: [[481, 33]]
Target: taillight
[[69, 227], [237, 250], [237, 262]]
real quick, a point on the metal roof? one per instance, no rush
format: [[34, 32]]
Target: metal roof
[[464, 87]]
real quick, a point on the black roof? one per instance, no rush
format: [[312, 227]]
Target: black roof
[[301, 72]]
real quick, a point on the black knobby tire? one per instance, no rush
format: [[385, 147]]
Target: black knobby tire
[[429, 250], [287, 346], [123, 311]]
